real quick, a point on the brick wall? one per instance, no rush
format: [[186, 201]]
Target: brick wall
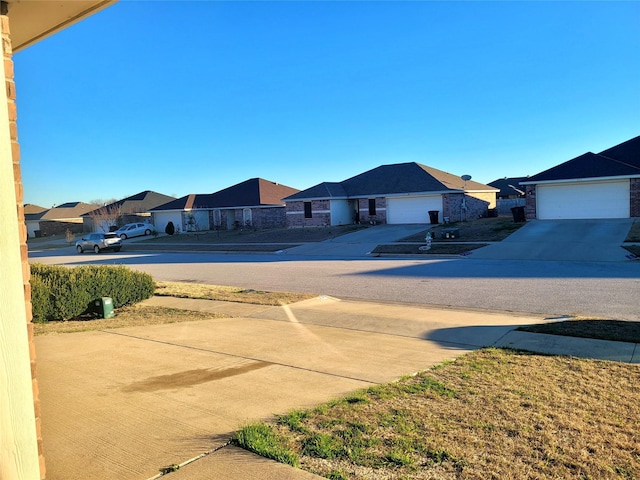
[[320, 211], [274, 217], [530, 211], [477, 205], [634, 197], [381, 211], [26, 273]]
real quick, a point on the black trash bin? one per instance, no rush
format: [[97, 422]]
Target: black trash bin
[[433, 216], [518, 214]]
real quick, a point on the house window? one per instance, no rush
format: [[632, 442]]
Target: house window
[[307, 210], [372, 206]]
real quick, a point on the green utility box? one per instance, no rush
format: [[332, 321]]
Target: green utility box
[[104, 307]]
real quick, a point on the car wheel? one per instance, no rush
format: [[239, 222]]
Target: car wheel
[[123, 236], [147, 232], [79, 249], [116, 249], [96, 249]]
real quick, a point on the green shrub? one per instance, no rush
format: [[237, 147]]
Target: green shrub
[[61, 293]]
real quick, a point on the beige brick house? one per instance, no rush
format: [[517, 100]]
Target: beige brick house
[[402, 193]]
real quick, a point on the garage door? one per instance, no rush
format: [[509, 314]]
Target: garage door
[[583, 200], [160, 220], [413, 209]]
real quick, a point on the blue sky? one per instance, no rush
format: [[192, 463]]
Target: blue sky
[[194, 96]]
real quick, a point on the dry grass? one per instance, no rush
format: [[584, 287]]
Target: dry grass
[[227, 294], [634, 233], [616, 330], [492, 229], [436, 249], [137, 315], [274, 235], [491, 414]]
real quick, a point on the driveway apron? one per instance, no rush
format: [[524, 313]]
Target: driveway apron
[[563, 240]]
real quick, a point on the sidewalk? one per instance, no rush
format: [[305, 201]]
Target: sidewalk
[[125, 403]]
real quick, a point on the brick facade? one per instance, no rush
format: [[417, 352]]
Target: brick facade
[[634, 194], [261, 218], [26, 273], [477, 205], [381, 211], [530, 211], [320, 214]]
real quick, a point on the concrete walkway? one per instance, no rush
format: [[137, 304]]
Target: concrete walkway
[[563, 240], [126, 403]]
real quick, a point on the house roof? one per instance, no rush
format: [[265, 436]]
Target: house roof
[[250, 193], [623, 160], [392, 179], [138, 203], [627, 152], [62, 212], [30, 208], [509, 185]]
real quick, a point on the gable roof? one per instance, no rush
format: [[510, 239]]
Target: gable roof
[[138, 203], [254, 192], [30, 208], [627, 152], [623, 160], [62, 212], [399, 178], [509, 185]]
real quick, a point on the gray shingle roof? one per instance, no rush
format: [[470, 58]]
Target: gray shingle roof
[[391, 179], [623, 160], [250, 193]]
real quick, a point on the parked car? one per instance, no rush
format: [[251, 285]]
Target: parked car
[[98, 242], [135, 230]]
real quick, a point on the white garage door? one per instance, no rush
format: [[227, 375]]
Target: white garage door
[[413, 209], [160, 220], [583, 200]]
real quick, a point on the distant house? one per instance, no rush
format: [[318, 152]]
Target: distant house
[[511, 194], [57, 220], [395, 194], [128, 210], [255, 202], [602, 185], [509, 187]]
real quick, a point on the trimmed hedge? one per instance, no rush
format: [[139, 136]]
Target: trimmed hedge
[[61, 293]]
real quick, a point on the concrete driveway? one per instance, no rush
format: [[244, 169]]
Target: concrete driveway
[[563, 240], [356, 244], [124, 403]]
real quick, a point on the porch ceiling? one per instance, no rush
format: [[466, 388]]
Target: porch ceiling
[[33, 20]]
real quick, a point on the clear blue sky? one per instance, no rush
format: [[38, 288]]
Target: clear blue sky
[[187, 97]]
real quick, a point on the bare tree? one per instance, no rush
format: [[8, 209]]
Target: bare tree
[[106, 217]]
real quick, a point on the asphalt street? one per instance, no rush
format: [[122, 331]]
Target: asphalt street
[[592, 289]]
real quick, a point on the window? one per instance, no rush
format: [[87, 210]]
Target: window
[[307, 210], [372, 206]]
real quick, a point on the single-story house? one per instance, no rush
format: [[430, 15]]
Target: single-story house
[[509, 187], [255, 202], [602, 185], [511, 194], [128, 210], [57, 220], [394, 194]]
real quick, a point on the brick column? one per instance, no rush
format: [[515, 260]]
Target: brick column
[[634, 197], [22, 229]]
